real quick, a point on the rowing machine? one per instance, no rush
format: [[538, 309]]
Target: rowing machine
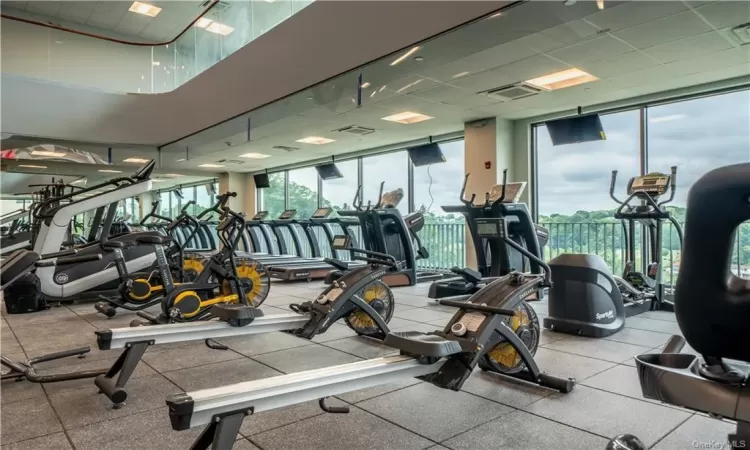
[[359, 297], [495, 329]]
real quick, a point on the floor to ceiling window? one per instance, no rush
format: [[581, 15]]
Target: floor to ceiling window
[[695, 135], [435, 186], [303, 191], [272, 198], [339, 193], [391, 168], [573, 183]]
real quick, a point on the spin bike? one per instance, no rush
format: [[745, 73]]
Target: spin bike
[[359, 297]]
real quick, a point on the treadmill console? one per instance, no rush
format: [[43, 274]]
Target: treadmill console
[[653, 184], [260, 215], [341, 242], [321, 213], [492, 228], [288, 214]]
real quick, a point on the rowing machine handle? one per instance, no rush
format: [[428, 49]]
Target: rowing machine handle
[[68, 252], [480, 308]]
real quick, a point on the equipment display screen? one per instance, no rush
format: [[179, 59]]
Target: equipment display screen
[[488, 229], [339, 242], [288, 214], [321, 213]]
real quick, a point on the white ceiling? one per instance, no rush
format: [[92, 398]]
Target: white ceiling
[[635, 48], [111, 17]]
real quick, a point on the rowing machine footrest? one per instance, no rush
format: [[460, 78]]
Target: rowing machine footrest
[[470, 275], [420, 344], [236, 314], [337, 263]]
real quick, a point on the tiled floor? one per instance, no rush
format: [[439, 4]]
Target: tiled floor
[[489, 413]]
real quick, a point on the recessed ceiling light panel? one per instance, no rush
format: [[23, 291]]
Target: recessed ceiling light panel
[[211, 165], [203, 22], [255, 155], [562, 79], [408, 117], [219, 28], [145, 9], [136, 160], [109, 171], [316, 140]]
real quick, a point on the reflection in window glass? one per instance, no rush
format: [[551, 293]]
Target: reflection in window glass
[[437, 185], [272, 198], [391, 168], [573, 185], [339, 193], [697, 136]]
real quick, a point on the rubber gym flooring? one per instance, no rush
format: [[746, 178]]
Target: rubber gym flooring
[[488, 414]]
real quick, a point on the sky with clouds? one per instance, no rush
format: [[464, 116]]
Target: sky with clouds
[[696, 136]]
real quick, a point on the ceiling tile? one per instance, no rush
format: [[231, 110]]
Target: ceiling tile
[[634, 13], [500, 55], [47, 8], [710, 42], [76, 11], [599, 48], [471, 101], [107, 14], [483, 81], [15, 5], [533, 67], [448, 72], [440, 93], [622, 64], [726, 14], [664, 30], [726, 58], [558, 36], [412, 83]]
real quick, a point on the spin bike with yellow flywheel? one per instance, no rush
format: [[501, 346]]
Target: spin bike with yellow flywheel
[[224, 278]]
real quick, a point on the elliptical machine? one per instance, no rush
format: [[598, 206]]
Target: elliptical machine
[[495, 257], [712, 309], [586, 298]]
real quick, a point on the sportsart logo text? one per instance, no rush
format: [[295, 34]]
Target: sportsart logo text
[[607, 315]]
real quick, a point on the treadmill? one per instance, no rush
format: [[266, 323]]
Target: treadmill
[[316, 267], [274, 235]]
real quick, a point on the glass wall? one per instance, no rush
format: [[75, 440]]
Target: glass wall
[[437, 185], [339, 193], [272, 198], [391, 168], [303, 191], [433, 186], [572, 181]]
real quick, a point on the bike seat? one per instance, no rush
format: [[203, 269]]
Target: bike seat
[[236, 314], [422, 344], [153, 240], [468, 274]]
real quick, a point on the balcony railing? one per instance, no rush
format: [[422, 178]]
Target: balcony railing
[[606, 240], [67, 54], [446, 244]]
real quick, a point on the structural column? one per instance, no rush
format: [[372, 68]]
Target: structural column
[[488, 151], [244, 185]]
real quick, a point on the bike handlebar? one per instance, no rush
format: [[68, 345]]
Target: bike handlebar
[[612, 182]]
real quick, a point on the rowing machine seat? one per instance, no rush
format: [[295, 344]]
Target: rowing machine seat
[[236, 314], [415, 343]]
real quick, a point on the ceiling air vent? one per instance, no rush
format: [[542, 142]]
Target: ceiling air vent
[[513, 91], [220, 6], [742, 33], [285, 148], [356, 129]]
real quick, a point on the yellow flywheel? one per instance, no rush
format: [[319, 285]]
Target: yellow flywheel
[[254, 279], [192, 266], [504, 357], [378, 295]]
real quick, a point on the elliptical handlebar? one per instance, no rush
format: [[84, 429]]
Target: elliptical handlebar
[[379, 203], [357, 202], [672, 186], [612, 182], [186, 206], [461, 196], [505, 186], [154, 207]]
